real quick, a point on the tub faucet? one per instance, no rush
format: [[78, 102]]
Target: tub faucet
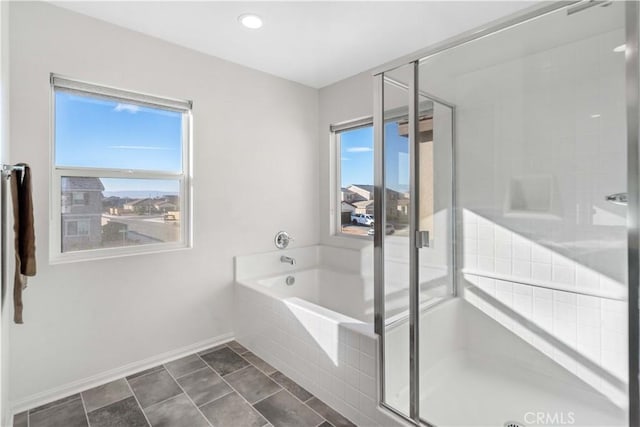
[[288, 260]]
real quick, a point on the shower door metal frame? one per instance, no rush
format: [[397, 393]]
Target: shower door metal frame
[[632, 35], [632, 65]]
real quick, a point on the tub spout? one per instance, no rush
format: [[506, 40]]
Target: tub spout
[[287, 260]]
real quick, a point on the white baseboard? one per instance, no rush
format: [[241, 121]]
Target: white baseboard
[[68, 389]]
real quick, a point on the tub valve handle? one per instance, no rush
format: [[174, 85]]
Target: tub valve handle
[[282, 239]]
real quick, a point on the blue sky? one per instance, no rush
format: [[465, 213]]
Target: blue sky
[[356, 155], [101, 133]]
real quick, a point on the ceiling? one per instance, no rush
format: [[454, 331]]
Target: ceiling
[[313, 43]]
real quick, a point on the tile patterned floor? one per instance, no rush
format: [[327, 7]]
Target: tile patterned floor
[[226, 386]]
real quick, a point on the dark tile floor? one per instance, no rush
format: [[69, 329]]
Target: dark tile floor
[[223, 386]]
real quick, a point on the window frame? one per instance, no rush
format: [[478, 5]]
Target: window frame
[[335, 131], [184, 177]]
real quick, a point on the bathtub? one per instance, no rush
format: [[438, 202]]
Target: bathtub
[[317, 330]]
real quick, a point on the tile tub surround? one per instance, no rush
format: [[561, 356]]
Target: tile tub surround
[[224, 386], [331, 355]]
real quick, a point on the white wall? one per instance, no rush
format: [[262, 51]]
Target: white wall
[[5, 309], [255, 171]]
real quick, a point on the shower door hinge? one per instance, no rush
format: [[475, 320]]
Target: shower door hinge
[[422, 239]]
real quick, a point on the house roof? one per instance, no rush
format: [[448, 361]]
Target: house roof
[[363, 203], [138, 201], [364, 187], [72, 183]]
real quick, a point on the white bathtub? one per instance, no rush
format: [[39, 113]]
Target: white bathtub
[[340, 292], [319, 332]]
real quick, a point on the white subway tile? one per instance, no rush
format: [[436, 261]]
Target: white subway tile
[[367, 364], [563, 274], [353, 377], [352, 396], [353, 357], [470, 246], [368, 345], [542, 307], [521, 268], [502, 234], [540, 254], [485, 232], [486, 264], [502, 266], [586, 278], [589, 337], [486, 248], [503, 249], [589, 316], [368, 385]]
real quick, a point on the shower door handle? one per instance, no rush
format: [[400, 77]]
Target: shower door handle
[[617, 199], [422, 239]]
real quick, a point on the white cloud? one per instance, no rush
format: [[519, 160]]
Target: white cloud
[[359, 150], [344, 158], [127, 107], [137, 147]]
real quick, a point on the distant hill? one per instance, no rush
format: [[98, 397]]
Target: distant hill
[[139, 194]]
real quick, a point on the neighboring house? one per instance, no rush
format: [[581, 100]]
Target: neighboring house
[[364, 207], [364, 191], [349, 196], [165, 206], [403, 206], [140, 205], [347, 207], [81, 213]]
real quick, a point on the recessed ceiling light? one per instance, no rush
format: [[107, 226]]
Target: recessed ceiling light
[[250, 20], [620, 48], [595, 116]]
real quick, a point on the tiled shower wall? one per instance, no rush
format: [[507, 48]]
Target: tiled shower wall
[[541, 142]]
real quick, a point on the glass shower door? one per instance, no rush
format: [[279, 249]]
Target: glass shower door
[[536, 332], [415, 249], [537, 335]]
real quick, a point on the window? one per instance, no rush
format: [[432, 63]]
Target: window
[[355, 187], [79, 198], [78, 227], [354, 149], [120, 173]]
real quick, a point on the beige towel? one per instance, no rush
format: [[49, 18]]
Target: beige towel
[[25, 241]]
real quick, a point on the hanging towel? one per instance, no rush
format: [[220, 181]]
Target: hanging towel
[[25, 240]]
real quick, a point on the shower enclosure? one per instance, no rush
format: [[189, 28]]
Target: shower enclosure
[[507, 162]]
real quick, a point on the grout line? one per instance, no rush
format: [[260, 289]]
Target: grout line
[[189, 397], [237, 370], [84, 408], [295, 397], [193, 372], [266, 397], [213, 400], [241, 396], [142, 376], [137, 401], [163, 401], [211, 350], [237, 352]]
